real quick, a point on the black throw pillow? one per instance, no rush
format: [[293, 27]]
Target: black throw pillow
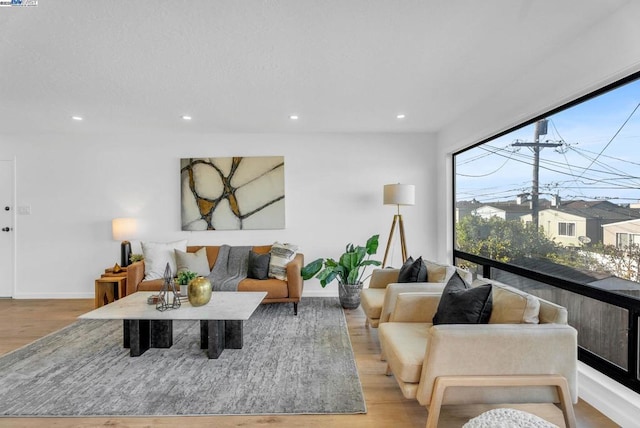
[[258, 265], [413, 271], [461, 304]]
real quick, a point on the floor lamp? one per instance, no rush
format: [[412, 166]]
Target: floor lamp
[[398, 194]]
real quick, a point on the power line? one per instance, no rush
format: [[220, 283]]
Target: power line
[[489, 173], [612, 138]]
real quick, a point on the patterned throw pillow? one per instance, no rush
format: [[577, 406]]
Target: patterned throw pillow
[[281, 255]]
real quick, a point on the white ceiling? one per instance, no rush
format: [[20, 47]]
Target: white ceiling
[[245, 66]]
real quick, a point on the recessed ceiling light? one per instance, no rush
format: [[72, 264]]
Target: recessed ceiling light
[[76, 117], [185, 117], [400, 116], [294, 117]]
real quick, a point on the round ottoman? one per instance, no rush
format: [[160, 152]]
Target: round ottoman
[[507, 418]]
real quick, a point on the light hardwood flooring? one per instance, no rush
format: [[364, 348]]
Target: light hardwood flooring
[[22, 321]]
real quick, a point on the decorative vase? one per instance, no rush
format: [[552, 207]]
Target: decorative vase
[[349, 295], [199, 292]]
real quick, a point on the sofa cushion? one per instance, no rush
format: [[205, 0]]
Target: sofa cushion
[[158, 254], [258, 265], [212, 252], [281, 255], [404, 345], [195, 262], [513, 306], [275, 288], [413, 271], [461, 304], [437, 272]]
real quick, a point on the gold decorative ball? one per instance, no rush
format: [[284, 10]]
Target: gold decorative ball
[[199, 291]]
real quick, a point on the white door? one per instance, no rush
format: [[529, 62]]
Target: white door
[[6, 229]]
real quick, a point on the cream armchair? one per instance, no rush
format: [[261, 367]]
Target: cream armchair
[[526, 354], [380, 298]]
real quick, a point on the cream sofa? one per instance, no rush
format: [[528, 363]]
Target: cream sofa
[[527, 346], [379, 298]]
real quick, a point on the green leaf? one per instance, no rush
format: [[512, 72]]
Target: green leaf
[[353, 277], [372, 244], [325, 273], [329, 278], [348, 261], [371, 263], [311, 269], [330, 263]]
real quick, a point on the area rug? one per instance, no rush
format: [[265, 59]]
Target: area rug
[[289, 365]]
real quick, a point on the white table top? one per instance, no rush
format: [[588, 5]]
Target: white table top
[[224, 305]]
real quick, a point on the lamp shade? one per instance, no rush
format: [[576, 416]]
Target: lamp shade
[[123, 229], [399, 194]]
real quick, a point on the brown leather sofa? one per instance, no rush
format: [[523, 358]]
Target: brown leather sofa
[[278, 291]]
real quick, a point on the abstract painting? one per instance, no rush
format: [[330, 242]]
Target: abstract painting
[[232, 193]]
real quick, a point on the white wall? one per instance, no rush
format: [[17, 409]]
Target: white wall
[[75, 185]]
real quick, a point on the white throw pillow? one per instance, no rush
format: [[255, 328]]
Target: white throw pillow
[[281, 255], [158, 254], [195, 262]]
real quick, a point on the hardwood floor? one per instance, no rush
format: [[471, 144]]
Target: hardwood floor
[[22, 321]]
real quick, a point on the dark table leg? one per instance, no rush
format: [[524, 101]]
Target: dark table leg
[[212, 337], [126, 339], [233, 334], [161, 333], [136, 336]]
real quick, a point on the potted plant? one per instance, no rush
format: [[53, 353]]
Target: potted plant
[[184, 278], [349, 270]]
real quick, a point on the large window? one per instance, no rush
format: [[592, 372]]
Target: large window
[[558, 181], [568, 184]]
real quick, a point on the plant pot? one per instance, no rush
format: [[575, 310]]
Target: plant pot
[[349, 295]]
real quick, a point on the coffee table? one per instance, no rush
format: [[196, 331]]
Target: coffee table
[[144, 327]]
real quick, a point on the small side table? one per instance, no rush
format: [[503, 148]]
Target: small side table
[[109, 288]]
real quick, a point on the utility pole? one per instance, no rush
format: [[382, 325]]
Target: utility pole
[[537, 146]]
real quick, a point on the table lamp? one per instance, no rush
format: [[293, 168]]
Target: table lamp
[[122, 230], [398, 194]]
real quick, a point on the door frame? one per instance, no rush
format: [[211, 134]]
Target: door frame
[[14, 264]]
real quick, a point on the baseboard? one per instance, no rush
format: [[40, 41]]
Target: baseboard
[[54, 296], [617, 402], [320, 293]]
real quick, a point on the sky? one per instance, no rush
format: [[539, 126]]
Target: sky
[[599, 157]]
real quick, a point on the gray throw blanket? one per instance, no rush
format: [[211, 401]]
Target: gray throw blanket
[[230, 268]]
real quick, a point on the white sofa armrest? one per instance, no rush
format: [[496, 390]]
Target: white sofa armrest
[[415, 307], [500, 350], [391, 295]]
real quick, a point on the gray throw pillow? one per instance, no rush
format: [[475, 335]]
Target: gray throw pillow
[[413, 271], [258, 265], [461, 304]]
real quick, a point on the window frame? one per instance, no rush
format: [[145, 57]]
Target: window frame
[[567, 225]]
